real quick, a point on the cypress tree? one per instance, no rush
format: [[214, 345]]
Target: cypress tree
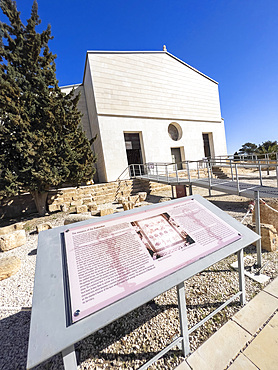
[[42, 144]]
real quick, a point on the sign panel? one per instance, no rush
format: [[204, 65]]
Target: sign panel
[[111, 259]]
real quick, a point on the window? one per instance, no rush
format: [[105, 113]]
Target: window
[[175, 131]]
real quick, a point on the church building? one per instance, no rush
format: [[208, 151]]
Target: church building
[[148, 106]]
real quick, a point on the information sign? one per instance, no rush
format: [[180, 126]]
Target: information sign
[[109, 260]]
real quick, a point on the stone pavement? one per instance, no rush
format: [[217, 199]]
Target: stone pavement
[[249, 340]]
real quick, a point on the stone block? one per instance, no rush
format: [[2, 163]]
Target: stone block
[[81, 209], [252, 316], [272, 288], [269, 237], [218, 350], [92, 206], [9, 229], [44, 226], [267, 215], [12, 240], [95, 212], [183, 366], [64, 207], [9, 266], [54, 207], [262, 351], [70, 219], [87, 200], [106, 211], [133, 198], [121, 200], [128, 205], [242, 363], [68, 197], [100, 200], [142, 196], [164, 200], [76, 203]]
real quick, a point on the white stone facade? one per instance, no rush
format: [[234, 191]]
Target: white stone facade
[[144, 92]]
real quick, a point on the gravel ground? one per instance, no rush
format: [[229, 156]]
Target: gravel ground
[[133, 339]]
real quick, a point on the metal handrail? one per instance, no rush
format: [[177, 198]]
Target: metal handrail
[[170, 170]]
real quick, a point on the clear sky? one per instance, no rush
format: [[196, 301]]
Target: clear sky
[[235, 42]]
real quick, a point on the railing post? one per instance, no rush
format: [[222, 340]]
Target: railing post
[[267, 164], [177, 176], [188, 171], [260, 172], [167, 177], [209, 179], [198, 169], [231, 165], [140, 172], [156, 171], [258, 228], [183, 319], [237, 180], [241, 276]]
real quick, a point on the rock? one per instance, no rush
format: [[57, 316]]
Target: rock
[[106, 211], [267, 215], [121, 200], [81, 209], [164, 200], [95, 213], [9, 229], [128, 205], [64, 208], [54, 207], [44, 226], [9, 266], [87, 200], [269, 237], [142, 196], [76, 203], [12, 240], [72, 218], [92, 206]]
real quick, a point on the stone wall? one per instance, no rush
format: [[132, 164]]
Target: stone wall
[[72, 197]]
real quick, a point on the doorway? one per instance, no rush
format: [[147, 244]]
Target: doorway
[[133, 150], [206, 142], [176, 157]]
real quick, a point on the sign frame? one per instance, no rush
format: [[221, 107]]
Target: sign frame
[[49, 330]]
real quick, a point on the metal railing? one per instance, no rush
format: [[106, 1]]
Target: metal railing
[[252, 170]]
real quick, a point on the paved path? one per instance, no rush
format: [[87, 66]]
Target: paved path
[[249, 339]]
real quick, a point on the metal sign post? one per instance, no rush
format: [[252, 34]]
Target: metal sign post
[[258, 228]]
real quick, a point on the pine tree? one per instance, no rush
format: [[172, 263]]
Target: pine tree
[[42, 144]]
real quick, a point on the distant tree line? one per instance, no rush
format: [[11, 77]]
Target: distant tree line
[[270, 147]]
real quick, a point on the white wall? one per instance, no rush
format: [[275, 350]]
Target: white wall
[[152, 85], [156, 142]]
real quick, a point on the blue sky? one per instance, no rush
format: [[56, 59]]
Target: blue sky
[[235, 42]]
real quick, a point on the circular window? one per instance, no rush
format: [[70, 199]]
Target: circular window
[[174, 131]]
